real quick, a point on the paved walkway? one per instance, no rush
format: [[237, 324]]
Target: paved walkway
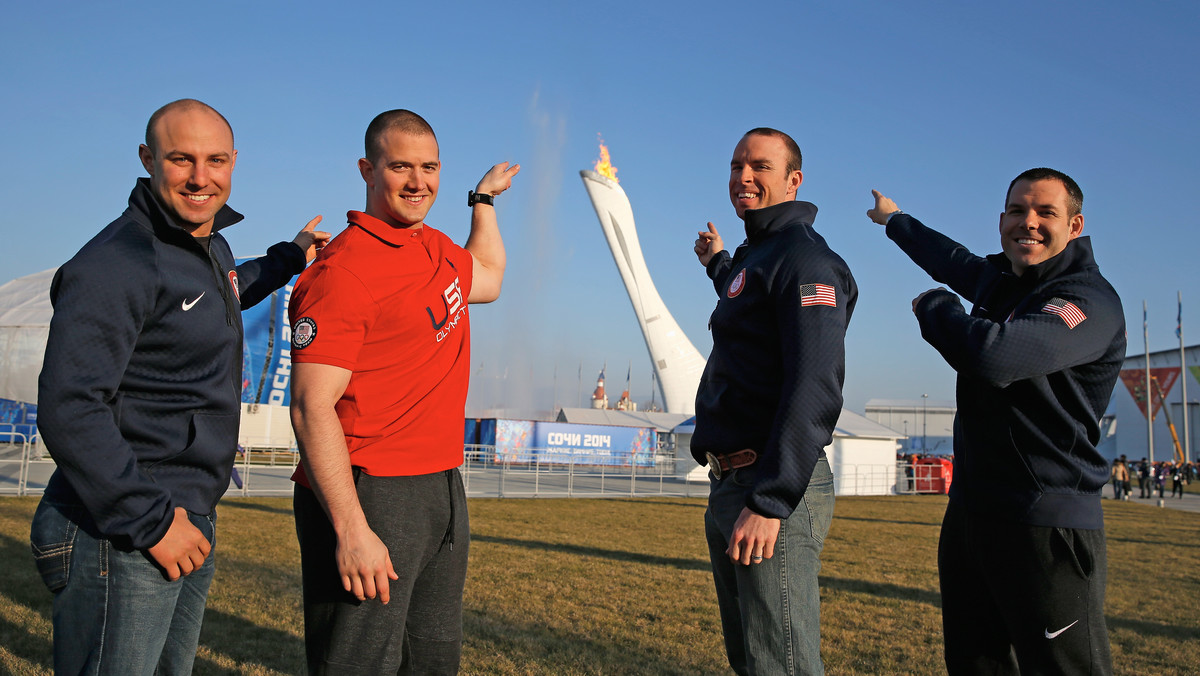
[[1190, 502]]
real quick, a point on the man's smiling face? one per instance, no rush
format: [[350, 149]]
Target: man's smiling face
[[191, 166], [403, 182], [758, 174], [1036, 224]]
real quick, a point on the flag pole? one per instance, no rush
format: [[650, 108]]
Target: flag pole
[[1149, 396], [1183, 375]]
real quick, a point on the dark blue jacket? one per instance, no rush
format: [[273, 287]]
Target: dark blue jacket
[[773, 382], [139, 395], [1034, 375]]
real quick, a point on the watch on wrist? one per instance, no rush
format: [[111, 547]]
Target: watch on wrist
[[474, 198]]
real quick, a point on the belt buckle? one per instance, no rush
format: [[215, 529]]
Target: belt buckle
[[714, 465]]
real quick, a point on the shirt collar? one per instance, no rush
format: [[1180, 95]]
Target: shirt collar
[[765, 222], [389, 235]]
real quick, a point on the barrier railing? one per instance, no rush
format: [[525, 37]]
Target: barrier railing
[[19, 449], [267, 472]]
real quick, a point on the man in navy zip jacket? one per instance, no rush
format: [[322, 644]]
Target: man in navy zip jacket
[[1022, 559], [139, 404], [766, 407]]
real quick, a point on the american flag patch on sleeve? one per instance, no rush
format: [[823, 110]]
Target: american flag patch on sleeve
[[1068, 311], [817, 294]]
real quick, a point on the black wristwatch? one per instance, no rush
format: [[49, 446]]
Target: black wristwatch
[[474, 198]]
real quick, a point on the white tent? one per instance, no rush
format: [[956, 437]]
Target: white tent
[[24, 323]]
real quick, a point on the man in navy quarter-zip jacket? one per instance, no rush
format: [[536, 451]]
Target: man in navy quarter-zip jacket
[[766, 407], [139, 404], [1022, 559]]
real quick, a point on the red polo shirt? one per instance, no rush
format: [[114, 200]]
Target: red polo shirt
[[390, 305]]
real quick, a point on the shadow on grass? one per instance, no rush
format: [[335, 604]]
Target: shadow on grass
[[666, 503], [503, 646], [248, 643], [19, 578], [22, 587], [882, 590], [614, 555], [241, 503], [1157, 544], [837, 517], [1143, 628], [23, 645]]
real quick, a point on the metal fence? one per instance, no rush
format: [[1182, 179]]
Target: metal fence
[[25, 469], [18, 452]]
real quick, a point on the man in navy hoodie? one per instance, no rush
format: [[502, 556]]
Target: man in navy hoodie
[[139, 404], [1021, 559], [766, 407]]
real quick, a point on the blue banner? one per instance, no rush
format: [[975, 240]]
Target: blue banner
[[18, 421], [524, 441], [267, 351]]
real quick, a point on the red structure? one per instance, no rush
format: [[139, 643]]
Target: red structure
[[933, 475]]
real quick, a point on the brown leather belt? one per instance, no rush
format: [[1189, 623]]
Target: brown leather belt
[[720, 464]]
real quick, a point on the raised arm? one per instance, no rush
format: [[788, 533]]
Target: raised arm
[[484, 243], [259, 277], [944, 259]]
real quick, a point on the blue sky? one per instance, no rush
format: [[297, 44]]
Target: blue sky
[[937, 104]]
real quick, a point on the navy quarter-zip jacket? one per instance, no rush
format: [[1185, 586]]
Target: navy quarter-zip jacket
[[773, 382], [140, 390], [1034, 375]]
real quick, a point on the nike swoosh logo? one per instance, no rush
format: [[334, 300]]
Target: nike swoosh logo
[[188, 306], [1054, 634]]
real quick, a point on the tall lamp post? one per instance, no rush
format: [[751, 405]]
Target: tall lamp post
[[924, 423]]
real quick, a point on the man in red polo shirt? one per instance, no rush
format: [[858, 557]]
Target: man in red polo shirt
[[381, 359]]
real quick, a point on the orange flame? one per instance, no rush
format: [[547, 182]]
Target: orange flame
[[604, 165]]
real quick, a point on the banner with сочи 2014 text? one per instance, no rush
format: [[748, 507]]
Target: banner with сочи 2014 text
[[525, 441]]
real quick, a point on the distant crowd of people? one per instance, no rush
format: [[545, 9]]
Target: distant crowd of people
[[1152, 477]]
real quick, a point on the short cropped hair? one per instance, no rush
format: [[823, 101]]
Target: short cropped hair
[[795, 159], [181, 104], [402, 120], [1074, 194]]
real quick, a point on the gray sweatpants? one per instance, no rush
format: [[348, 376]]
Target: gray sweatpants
[[423, 522]]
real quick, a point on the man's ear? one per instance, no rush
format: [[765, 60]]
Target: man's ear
[[147, 157], [367, 170], [794, 181], [1076, 226]]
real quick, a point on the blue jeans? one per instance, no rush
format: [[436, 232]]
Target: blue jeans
[[114, 611], [771, 611]]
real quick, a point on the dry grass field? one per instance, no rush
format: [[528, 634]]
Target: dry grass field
[[621, 586]]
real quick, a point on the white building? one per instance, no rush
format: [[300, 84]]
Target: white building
[[1124, 427], [926, 425]]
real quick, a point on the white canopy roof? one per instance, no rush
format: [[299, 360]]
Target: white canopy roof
[[25, 301]]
